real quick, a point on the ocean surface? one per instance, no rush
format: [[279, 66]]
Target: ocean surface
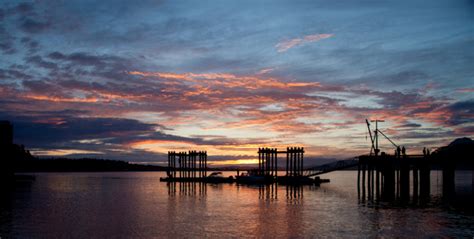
[[138, 205]]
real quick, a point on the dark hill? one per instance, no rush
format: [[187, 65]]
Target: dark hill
[[15, 158], [80, 165], [461, 141], [460, 150]]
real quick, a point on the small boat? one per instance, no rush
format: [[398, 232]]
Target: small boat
[[218, 177], [253, 177]]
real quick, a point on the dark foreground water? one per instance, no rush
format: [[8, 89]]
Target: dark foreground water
[[138, 205]]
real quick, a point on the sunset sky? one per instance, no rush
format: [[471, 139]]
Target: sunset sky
[[131, 80]]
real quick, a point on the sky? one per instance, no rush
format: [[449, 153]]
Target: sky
[[132, 80]]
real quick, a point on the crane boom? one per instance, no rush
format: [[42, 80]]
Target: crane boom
[[394, 144], [374, 139], [370, 134]]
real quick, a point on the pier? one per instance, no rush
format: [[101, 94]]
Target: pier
[[387, 177]]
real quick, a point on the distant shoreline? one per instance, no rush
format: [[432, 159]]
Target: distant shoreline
[[80, 165], [460, 150]]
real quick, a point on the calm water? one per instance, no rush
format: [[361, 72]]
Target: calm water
[[138, 205]]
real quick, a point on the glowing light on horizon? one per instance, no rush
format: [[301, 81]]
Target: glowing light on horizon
[[163, 146], [233, 162]]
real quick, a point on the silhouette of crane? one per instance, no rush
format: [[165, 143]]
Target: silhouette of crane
[[375, 138]]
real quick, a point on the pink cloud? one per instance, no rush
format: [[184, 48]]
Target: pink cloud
[[238, 103], [265, 71], [465, 90], [286, 45]]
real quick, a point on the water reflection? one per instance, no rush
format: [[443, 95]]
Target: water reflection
[[268, 192], [13, 194], [438, 193], [294, 193], [186, 188], [131, 205]]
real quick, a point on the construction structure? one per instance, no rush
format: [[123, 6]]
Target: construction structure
[[383, 176], [267, 171], [189, 165], [294, 162], [268, 161]]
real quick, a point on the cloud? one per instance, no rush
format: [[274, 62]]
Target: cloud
[[14, 74], [265, 71], [7, 41], [409, 125], [465, 130], [39, 61], [244, 99], [465, 90], [85, 59], [191, 80], [460, 112], [53, 130], [65, 133], [32, 45], [228, 80], [287, 44], [23, 8], [30, 25]]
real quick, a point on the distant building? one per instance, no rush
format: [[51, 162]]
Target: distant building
[[6, 133]]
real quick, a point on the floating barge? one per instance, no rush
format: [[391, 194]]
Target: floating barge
[[201, 180], [283, 180], [303, 180], [192, 167]]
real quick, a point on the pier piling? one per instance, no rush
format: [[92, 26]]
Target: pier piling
[[388, 177]]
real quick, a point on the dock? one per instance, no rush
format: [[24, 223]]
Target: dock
[[389, 177]]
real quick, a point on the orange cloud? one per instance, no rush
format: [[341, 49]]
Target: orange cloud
[[234, 105], [214, 80]]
